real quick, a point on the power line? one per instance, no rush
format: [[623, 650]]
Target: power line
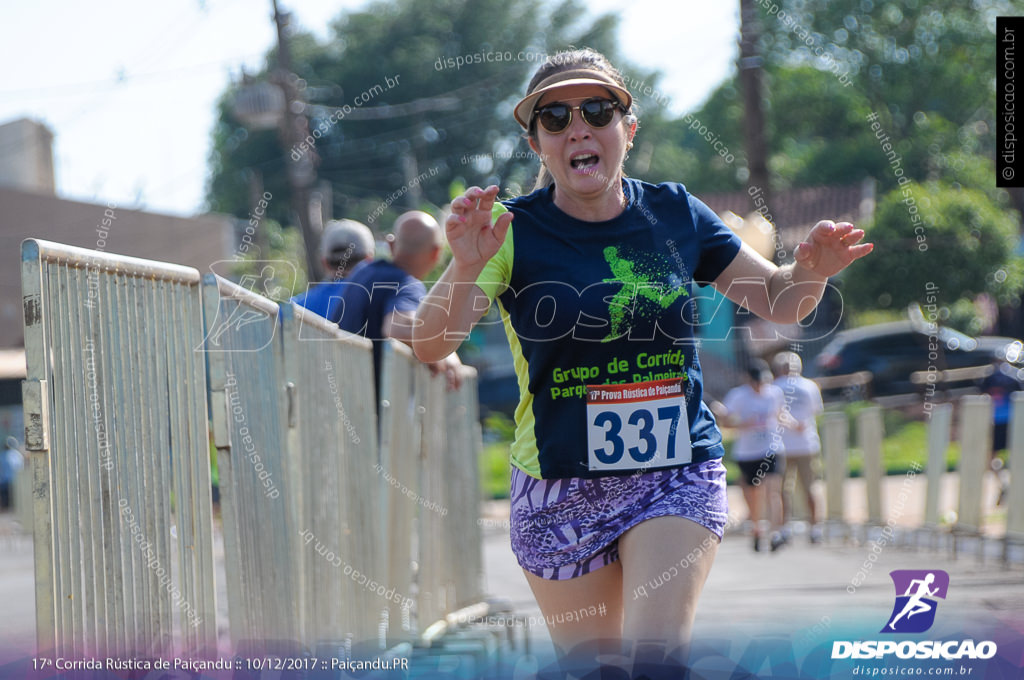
[[125, 81]]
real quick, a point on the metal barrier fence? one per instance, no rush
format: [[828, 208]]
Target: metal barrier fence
[[969, 506], [452, 571], [465, 442], [430, 443], [332, 451], [398, 466], [115, 413], [247, 401], [1015, 459], [117, 430]]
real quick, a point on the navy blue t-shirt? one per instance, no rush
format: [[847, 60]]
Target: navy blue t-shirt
[[372, 292], [322, 298], [604, 303]]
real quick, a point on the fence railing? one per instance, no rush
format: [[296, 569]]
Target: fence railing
[[249, 424], [327, 504], [333, 448], [115, 413], [962, 516], [321, 523]]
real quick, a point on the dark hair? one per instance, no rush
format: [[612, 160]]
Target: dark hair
[[568, 60], [758, 371]]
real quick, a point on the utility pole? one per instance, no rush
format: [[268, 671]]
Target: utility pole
[[294, 128], [752, 84]]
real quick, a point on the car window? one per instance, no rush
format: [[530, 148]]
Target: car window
[[896, 344]]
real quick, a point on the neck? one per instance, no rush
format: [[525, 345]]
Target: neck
[[408, 265], [607, 205]]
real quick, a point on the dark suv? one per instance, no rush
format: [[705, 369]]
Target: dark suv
[[893, 352]]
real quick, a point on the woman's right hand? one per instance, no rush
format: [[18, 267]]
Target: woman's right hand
[[471, 235]]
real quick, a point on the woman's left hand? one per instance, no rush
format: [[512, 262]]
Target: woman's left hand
[[831, 247]]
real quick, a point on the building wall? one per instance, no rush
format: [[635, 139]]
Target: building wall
[[195, 242], [26, 156]]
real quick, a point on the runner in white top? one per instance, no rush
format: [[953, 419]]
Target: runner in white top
[[755, 409], [800, 439]]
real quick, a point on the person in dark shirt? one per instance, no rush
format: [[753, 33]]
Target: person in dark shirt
[[378, 300], [616, 473], [345, 244], [999, 385]]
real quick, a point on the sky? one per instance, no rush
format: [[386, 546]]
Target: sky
[[129, 88]]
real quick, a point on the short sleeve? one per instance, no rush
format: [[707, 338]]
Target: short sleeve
[[734, 400], [817, 405], [497, 273], [408, 296], [780, 398], [718, 243]]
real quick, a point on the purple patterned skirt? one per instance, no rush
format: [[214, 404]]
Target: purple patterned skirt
[[564, 528]]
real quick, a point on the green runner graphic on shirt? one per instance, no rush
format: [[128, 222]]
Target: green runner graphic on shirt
[[651, 280]]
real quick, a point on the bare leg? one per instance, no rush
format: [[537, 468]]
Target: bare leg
[[772, 485], [788, 487], [754, 498], [558, 599], [676, 554], [806, 479]]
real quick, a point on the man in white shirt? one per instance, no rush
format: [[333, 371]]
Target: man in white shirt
[[800, 436]]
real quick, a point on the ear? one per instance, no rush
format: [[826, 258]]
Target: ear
[[534, 145]]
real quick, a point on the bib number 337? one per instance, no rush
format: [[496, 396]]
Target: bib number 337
[[637, 425]]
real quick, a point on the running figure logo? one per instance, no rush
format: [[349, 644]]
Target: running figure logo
[[639, 281], [914, 611]]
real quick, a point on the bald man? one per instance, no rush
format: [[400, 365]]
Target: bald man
[[379, 298]]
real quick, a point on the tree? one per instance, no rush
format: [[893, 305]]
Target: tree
[[930, 237], [923, 67], [460, 64]]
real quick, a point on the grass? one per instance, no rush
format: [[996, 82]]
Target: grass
[[494, 470], [905, 442]]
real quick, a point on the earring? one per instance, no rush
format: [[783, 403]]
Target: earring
[[629, 146]]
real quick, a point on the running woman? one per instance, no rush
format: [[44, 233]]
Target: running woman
[[616, 473]]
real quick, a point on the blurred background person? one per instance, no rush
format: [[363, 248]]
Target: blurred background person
[[754, 409], [344, 245], [379, 299], [999, 385], [802, 402], [11, 465]]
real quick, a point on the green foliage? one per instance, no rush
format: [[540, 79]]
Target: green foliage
[[869, 317], [924, 68], [494, 470], [283, 276], [901, 449], [683, 150], [967, 249], [473, 139], [500, 427], [906, 56]]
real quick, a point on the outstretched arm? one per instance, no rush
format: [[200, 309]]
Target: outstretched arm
[[789, 293], [455, 302]]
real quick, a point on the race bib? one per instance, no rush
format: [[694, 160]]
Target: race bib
[[637, 426]]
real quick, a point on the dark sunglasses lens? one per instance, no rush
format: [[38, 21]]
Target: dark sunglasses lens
[[598, 112], [554, 118]]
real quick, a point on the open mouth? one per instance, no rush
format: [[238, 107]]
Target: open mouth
[[584, 161]]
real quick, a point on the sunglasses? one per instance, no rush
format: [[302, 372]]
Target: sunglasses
[[597, 112]]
